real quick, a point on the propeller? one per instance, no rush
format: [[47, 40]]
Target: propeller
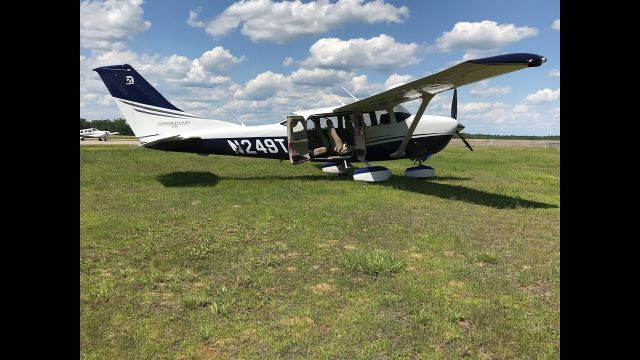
[[454, 114]]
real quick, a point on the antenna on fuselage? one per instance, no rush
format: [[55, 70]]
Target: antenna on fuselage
[[337, 98], [355, 98], [234, 115]]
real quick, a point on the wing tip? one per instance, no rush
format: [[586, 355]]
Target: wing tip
[[531, 60]]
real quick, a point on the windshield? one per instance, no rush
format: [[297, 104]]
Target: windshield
[[400, 108]]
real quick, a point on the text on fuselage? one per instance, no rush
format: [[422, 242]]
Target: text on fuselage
[[174, 124], [256, 146]]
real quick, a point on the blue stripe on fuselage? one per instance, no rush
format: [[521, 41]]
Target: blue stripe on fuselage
[[276, 147]]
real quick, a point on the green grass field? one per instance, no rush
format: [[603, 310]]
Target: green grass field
[[183, 256]]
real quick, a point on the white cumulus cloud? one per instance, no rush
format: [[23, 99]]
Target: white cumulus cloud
[[264, 86], [219, 59], [288, 61], [554, 73], [193, 19], [107, 24], [396, 80], [543, 96], [521, 109], [492, 91], [556, 25], [319, 77], [378, 53], [482, 38], [280, 22], [475, 107]]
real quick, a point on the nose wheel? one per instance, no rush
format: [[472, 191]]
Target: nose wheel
[[420, 171]]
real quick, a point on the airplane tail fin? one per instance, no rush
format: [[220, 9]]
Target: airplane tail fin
[[146, 111], [125, 83]]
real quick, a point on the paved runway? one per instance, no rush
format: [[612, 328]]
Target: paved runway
[[110, 142], [507, 143]]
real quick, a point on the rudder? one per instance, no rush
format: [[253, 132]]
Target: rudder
[[124, 82]]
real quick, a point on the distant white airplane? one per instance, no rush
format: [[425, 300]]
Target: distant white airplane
[[95, 133], [372, 129]]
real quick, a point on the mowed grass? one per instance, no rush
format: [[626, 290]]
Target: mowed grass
[[183, 256]]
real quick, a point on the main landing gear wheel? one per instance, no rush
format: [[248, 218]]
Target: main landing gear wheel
[[372, 174], [420, 171], [337, 168]]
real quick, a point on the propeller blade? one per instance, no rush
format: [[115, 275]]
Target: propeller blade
[[454, 104], [464, 140], [454, 114]]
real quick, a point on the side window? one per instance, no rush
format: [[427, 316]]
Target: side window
[[367, 120], [298, 130], [401, 113], [310, 125], [401, 116], [373, 117], [385, 119], [332, 119]]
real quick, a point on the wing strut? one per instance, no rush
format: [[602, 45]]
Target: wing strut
[[426, 97]]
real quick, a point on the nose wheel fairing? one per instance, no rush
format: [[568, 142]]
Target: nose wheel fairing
[[417, 148], [420, 171]]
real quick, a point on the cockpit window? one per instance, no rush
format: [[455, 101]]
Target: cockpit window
[[402, 116]]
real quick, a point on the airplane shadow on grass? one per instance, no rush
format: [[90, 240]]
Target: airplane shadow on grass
[[421, 186], [188, 179]]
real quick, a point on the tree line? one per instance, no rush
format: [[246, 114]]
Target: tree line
[[511, 137], [117, 125]]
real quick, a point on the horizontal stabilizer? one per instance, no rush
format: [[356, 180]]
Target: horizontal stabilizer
[[152, 140]]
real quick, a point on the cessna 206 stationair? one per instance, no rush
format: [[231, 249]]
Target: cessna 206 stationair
[[372, 129], [95, 133]]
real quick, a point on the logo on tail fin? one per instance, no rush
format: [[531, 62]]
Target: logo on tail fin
[[129, 80]]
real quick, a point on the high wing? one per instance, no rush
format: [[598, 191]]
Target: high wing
[[426, 88], [462, 74]]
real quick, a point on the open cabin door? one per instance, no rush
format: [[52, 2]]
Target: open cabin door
[[298, 142], [360, 137]]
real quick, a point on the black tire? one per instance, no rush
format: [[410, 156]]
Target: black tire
[[81, 139]]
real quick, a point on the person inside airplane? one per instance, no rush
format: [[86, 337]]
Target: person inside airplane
[[337, 145], [318, 143]]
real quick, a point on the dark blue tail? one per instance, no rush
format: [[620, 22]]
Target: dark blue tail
[[124, 82]]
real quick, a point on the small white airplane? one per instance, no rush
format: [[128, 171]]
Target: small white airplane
[[372, 129], [95, 133]]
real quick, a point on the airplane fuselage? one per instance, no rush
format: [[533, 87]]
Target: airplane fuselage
[[92, 133], [270, 141]]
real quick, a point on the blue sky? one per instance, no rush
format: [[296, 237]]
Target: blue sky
[[261, 60]]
